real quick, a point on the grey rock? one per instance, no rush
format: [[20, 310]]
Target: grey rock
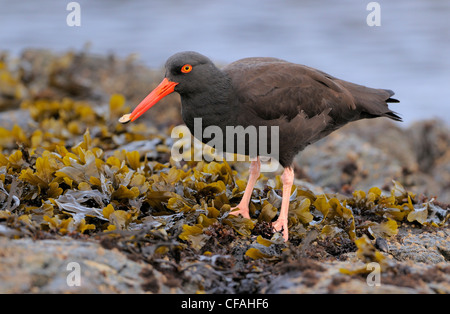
[[43, 266]]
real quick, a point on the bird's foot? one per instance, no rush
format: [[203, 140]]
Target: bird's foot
[[280, 225], [240, 209]]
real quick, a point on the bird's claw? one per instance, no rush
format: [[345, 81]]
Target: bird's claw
[[281, 226], [240, 210]]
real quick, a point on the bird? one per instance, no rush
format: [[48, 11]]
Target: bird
[[303, 104]]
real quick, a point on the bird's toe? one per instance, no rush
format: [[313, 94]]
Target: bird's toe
[[240, 210], [281, 226]]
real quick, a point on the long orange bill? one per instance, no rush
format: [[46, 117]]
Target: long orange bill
[[163, 89]]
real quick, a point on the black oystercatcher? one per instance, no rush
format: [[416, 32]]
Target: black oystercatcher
[[304, 103]]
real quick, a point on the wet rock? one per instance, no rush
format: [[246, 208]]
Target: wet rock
[[371, 153], [28, 266], [431, 141], [347, 159], [418, 263], [421, 247], [16, 117]]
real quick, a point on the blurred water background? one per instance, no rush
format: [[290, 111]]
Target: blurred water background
[[409, 52]]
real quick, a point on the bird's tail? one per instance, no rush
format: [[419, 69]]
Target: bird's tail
[[391, 114], [373, 102]]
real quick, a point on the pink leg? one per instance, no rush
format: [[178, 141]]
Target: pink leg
[[281, 224], [255, 167]]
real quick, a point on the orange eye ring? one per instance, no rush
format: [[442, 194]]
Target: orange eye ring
[[186, 68]]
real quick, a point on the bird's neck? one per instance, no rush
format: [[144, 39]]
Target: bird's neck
[[212, 103]]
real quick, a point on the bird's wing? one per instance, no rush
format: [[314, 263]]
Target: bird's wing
[[272, 88]]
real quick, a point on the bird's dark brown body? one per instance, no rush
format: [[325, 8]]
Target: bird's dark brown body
[[306, 104], [303, 103]]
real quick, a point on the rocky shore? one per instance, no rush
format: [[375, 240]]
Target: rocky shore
[[77, 187]]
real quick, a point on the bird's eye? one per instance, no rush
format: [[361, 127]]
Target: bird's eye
[[186, 68]]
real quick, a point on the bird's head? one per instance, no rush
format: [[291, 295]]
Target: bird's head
[[186, 73]]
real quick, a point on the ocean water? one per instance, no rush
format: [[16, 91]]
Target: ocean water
[[408, 53]]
